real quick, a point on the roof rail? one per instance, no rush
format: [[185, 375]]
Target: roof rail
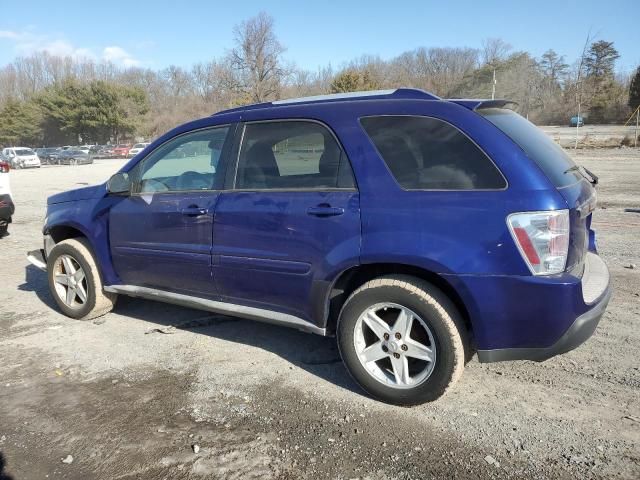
[[397, 93]]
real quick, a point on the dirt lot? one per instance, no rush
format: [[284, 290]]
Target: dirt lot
[[127, 401], [592, 136]]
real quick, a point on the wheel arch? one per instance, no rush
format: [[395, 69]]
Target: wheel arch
[[62, 232], [352, 278]]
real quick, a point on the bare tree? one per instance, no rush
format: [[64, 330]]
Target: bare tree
[[494, 50], [257, 59]]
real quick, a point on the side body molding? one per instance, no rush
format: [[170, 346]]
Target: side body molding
[[250, 313]]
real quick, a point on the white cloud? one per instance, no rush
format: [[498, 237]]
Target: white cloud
[[119, 56], [28, 42], [8, 34]]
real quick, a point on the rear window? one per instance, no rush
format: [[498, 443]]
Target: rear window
[[425, 153], [548, 155]]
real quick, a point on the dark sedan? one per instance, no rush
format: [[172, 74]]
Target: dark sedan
[[48, 156], [74, 157]]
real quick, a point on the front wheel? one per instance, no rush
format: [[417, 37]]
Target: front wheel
[[402, 340], [74, 281]]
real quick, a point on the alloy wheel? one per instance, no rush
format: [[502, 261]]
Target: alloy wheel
[[395, 345], [70, 281]]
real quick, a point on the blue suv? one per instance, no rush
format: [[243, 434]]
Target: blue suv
[[415, 229]]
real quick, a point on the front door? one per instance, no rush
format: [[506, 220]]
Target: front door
[[161, 234], [291, 221]]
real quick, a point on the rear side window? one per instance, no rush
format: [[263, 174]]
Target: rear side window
[[291, 155], [425, 153], [550, 157]]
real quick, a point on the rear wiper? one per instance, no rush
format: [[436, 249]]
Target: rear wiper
[[585, 172], [594, 177]]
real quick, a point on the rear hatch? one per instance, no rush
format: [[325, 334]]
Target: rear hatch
[[574, 183]]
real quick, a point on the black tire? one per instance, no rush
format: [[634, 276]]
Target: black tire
[[98, 301], [439, 314], [4, 228]]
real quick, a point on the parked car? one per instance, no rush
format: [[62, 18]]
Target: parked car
[[7, 208], [414, 229], [100, 151], [74, 157], [21, 157], [137, 148], [121, 151], [576, 121], [48, 156], [106, 151]]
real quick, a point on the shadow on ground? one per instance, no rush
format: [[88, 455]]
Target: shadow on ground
[[3, 474], [313, 353], [35, 280]]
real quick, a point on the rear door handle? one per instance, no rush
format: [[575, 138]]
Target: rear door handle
[[325, 211], [194, 211]]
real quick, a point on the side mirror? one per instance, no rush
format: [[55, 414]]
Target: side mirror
[[119, 183]]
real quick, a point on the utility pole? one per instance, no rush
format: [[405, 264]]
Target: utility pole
[[578, 119], [635, 141], [493, 89], [579, 84]]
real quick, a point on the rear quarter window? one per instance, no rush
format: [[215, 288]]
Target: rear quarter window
[[424, 153]]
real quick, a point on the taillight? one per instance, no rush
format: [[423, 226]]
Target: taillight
[[542, 238], [4, 167]]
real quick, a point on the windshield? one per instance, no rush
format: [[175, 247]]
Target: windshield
[[550, 157], [140, 145], [23, 152]]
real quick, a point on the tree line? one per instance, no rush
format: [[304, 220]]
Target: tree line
[[49, 100]]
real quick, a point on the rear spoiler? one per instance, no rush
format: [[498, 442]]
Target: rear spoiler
[[475, 104]]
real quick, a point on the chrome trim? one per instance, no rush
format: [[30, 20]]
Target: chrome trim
[[250, 313]]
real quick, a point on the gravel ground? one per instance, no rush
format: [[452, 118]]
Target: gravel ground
[[219, 397]]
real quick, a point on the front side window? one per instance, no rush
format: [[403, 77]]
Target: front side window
[[291, 155], [425, 153], [186, 163]]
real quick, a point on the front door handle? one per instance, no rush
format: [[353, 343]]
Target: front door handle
[[194, 211], [325, 211]]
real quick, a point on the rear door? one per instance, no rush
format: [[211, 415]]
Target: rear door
[[290, 221], [161, 234]]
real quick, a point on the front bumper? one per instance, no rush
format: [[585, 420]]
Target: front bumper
[[595, 291]]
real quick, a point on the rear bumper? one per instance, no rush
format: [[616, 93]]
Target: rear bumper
[[534, 318], [578, 333]]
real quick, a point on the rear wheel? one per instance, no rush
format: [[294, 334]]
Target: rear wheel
[[402, 340], [75, 282]]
